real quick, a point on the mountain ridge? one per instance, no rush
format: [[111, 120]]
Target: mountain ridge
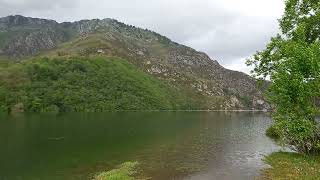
[[157, 55]]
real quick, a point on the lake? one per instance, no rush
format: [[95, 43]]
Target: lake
[[167, 145]]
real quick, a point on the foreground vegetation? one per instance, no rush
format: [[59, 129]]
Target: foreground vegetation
[[292, 166], [291, 60], [86, 84], [126, 171]]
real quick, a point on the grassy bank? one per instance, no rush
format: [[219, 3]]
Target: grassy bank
[[286, 165]]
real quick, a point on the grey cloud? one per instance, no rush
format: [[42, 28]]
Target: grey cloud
[[29, 7], [239, 39]]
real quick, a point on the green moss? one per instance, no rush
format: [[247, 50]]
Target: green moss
[[292, 166], [125, 171]]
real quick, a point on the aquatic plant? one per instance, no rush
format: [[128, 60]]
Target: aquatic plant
[[125, 171]]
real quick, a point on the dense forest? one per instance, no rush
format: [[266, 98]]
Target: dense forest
[[83, 84]]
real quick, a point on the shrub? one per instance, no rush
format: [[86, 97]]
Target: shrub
[[273, 132], [300, 133]]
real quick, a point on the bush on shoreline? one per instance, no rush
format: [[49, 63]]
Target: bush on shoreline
[[291, 62], [273, 132]]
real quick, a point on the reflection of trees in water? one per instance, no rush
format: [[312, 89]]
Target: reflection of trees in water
[[92, 142], [167, 145]]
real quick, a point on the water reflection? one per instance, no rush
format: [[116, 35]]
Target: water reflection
[[183, 145]]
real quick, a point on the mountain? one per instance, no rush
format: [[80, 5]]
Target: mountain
[[193, 79]]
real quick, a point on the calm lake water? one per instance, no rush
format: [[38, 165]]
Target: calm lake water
[[168, 145]]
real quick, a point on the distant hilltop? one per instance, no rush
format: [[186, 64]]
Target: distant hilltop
[[203, 82]]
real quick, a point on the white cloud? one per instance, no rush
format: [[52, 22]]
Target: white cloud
[[267, 8], [239, 65]]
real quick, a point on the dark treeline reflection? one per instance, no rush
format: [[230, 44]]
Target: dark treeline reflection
[[166, 144]]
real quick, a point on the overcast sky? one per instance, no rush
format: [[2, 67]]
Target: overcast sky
[[227, 30]]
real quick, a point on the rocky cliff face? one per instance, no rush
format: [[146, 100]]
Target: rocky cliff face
[[179, 65], [22, 36]]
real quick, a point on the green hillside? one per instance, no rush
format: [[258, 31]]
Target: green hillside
[[154, 73], [88, 84]]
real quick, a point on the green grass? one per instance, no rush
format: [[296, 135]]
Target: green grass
[[287, 166], [125, 171], [4, 63]]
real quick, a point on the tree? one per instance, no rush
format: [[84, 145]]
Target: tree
[[292, 61]]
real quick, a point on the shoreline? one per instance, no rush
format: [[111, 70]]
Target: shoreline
[[112, 111]]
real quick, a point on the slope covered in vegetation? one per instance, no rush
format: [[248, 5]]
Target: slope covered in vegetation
[[205, 83], [82, 84]]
